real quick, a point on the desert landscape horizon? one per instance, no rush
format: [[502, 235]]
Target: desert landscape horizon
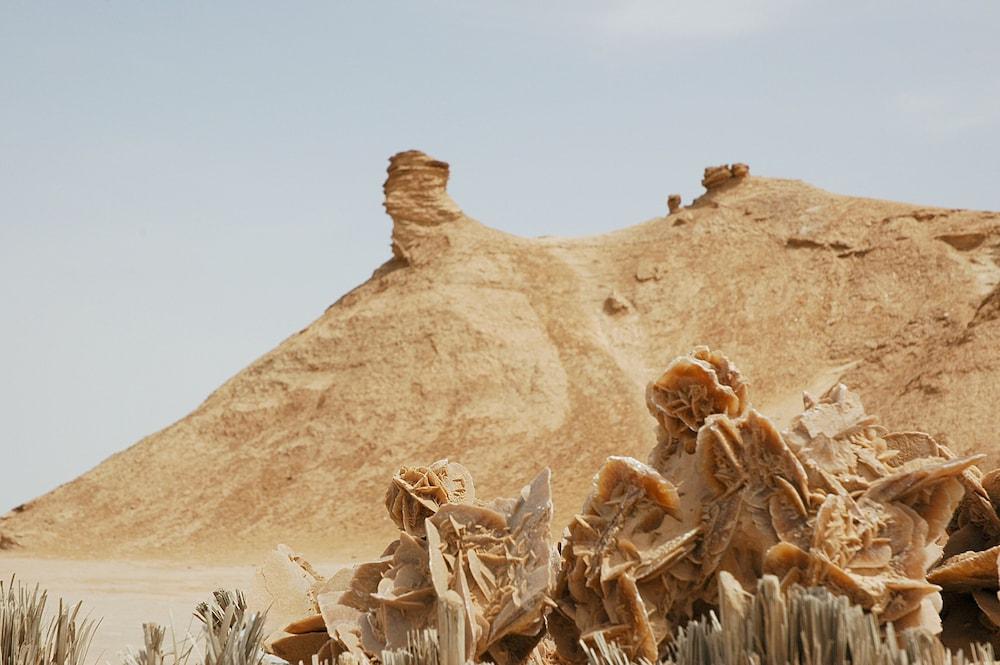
[[441, 333], [569, 332]]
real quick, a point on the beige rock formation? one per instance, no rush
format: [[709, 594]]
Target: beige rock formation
[[615, 554], [416, 493], [693, 387], [496, 350], [299, 648], [290, 582], [969, 573], [673, 203], [417, 200], [291, 586], [717, 175], [835, 501], [495, 560], [882, 520], [740, 170], [490, 562]]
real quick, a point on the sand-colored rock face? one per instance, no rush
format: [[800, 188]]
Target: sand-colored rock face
[[416, 198], [718, 175], [505, 353]]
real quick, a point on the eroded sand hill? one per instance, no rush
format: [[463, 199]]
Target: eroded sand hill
[[509, 354]]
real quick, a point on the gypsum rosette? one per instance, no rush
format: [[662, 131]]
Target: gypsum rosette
[[331, 627], [969, 573], [417, 492], [889, 498], [492, 560], [293, 584], [613, 560], [835, 502], [694, 387]]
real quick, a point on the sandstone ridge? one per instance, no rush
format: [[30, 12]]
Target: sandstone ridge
[[512, 354]]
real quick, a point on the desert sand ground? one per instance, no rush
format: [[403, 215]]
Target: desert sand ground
[[126, 594]]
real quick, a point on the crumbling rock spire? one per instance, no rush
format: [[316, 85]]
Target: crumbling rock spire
[[416, 198], [674, 203]]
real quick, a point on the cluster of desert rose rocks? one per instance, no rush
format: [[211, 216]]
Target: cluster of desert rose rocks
[[887, 519]]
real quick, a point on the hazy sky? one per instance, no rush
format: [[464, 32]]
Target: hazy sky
[[184, 184]]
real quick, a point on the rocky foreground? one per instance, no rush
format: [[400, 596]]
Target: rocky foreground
[[726, 505]]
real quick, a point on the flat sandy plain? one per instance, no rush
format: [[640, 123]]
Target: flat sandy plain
[[126, 594]]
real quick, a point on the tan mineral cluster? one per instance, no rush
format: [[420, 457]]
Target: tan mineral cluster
[[486, 563], [970, 572], [835, 500]]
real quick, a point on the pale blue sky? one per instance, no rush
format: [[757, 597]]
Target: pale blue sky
[[184, 184]]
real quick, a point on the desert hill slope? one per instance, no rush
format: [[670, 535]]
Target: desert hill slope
[[509, 354]]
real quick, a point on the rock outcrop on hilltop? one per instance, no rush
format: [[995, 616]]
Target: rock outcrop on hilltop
[[512, 354], [718, 175], [416, 198]]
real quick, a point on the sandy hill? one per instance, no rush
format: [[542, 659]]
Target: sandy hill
[[509, 354]]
